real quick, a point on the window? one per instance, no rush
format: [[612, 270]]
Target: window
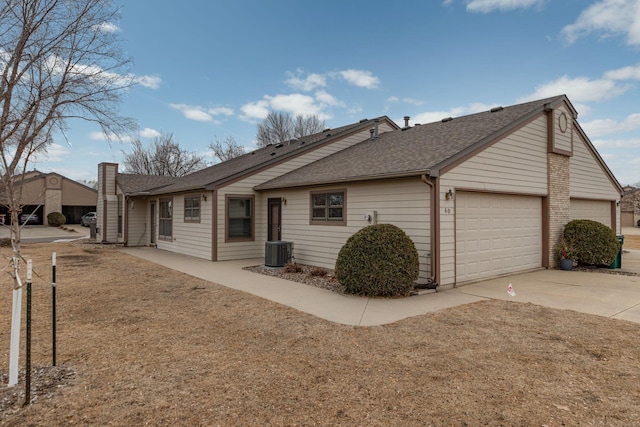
[[192, 208], [166, 219], [328, 207], [240, 217]]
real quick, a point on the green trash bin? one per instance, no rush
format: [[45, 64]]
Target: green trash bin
[[617, 261]]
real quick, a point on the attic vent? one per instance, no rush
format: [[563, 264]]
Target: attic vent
[[448, 119], [496, 109]]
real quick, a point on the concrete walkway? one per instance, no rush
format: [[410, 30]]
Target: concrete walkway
[[609, 295]]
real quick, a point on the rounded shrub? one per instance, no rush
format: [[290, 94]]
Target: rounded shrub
[[378, 261], [56, 219], [592, 243]]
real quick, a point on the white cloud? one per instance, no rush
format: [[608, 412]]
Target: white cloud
[[201, 114], [100, 136], [608, 126], [436, 116], [294, 104], [149, 133], [617, 143], [54, 153], [220, 111], [107, 27], [578, 89], [256, 110], [327, 99], [486, 6], [360, 78], [610, 17], [152, 82], [631, 72], [395, 100], [308, 83]]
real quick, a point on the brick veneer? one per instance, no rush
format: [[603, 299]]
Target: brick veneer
[[559, 200]]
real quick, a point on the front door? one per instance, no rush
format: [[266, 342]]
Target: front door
[[152, 232], [274, 219]]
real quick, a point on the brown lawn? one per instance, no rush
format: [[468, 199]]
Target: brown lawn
[[139, 344]]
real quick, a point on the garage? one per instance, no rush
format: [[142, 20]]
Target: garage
[[595, 210], [496, 234], [626, 219]]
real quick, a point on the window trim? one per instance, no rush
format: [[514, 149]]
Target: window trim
[[161, 219], [192, 219], [250, 197], [327, 221]]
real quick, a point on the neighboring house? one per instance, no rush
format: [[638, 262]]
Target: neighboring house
[[43, 193], [630, 207], [481, 195]]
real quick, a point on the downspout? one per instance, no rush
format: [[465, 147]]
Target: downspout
[[125, 221], [433, 213]]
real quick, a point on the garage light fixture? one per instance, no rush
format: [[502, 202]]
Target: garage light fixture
[[449, 195]]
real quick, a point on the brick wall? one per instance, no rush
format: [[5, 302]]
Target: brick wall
[[559, 200]]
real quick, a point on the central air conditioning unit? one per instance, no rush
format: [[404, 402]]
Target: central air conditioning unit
[[277, 253]]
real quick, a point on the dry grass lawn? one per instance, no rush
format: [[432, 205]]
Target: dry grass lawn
[[139, 344]]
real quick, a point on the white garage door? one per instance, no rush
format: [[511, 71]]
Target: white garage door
[[596, 210], [496, 234]]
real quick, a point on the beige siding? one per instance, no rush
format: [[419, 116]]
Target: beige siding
[[138, 222], [563, 139], [595, 210], [588, 179], [516, 164], [189, 238], [74, 194], [253, 249], [404, 203]]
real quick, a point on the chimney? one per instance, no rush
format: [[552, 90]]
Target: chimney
[[376, 128], [406, 121]]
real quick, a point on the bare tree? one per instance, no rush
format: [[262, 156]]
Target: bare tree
[[59, 60], [226, 149], [163, 157], [278, 128]]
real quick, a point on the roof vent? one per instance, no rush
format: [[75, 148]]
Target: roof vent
[[363, 120], [279, 146], [448, 119], [292, 141], [326, 130], [406, 121], [496, 109], [273, 153]]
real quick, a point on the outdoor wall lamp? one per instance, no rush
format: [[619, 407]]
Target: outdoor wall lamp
[[283, 200], [204, 197], [449, 195]]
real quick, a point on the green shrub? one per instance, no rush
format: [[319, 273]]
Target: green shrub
[[379, 260], [56, 219], [592, 243]]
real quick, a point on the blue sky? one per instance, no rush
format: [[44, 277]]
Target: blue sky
[[216, 68]]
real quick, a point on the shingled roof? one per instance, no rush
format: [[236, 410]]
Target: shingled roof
[[209, 178], [139, 184], [422, 149]]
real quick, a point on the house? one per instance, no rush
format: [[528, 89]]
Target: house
[[43, 193], [630, 207], [480, 195]]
